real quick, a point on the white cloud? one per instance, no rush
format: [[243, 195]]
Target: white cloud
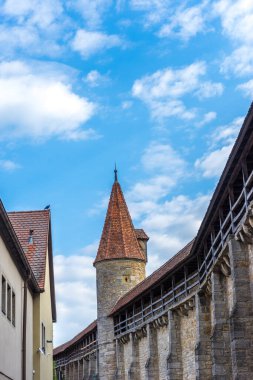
[[38, 101], [92, 11], [226, 134], [237, 20], [88, 43], [207, 118], [239, 62], [172, 224], [40, 13], [126, 104], [26, 38], [209, 89], [155, 10], [173, 19], [32, 26], [212, 163], [162, 157], [162, 91], [94, 78], [75, 282], [8, 165], [247, 88], [184, 22], [164, 167]]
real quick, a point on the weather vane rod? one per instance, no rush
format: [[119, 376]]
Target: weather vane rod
[[115, 173]]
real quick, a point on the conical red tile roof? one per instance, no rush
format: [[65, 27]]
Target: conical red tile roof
[[118, 240]]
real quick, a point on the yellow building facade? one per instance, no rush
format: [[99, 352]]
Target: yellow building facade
[[27, 295]]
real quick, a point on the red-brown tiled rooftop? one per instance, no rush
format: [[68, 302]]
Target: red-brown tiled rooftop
[[37, 221], [58, 350], [118, 240], [141, 234]]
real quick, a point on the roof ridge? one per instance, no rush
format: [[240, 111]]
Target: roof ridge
[[27, 211], [152, 275]]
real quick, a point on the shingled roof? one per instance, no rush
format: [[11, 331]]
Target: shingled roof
[[118, 240], [154, 278], [37, 223], [58, 350]]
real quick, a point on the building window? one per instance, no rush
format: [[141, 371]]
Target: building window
[[3, 295], [43, 338], [9, 302], [13, 306]]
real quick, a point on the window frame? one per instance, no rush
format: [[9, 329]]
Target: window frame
[[3, 294]]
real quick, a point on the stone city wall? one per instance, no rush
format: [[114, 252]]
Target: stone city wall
[[208, 335]]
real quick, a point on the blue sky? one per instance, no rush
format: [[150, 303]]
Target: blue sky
[[159, 86]]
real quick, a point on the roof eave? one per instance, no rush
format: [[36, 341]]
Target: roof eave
[[14, 247]]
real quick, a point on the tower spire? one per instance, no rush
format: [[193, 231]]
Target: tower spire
[[115, 173], [118, 240]]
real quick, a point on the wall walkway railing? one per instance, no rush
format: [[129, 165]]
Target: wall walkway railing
[[193, 272]]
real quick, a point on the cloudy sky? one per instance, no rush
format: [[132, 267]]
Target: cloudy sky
[[159, 86]]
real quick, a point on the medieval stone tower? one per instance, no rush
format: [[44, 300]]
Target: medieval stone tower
[[120, 265]]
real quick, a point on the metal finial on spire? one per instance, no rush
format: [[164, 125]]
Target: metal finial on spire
[[115, 174]]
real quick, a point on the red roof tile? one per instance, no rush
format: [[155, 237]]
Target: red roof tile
[[141, 234], [76, 338], [37, 221], [118, 239], [153, 278]]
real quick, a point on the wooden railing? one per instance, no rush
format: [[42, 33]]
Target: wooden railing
[[76, 354], [200, 262]]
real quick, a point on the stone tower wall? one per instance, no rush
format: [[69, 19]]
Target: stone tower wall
[[114, 279], [210, 339], [207, 335]]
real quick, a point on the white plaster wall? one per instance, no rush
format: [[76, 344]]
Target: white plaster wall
[[10, 336]]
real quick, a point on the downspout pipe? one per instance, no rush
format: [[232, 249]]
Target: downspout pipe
[[24, 332]]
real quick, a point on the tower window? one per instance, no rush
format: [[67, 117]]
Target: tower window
[[30, 239], [126, 279]]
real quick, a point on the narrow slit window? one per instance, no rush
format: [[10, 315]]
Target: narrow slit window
[[9, 302], [43, 338], [3, 295], [13, 306]]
